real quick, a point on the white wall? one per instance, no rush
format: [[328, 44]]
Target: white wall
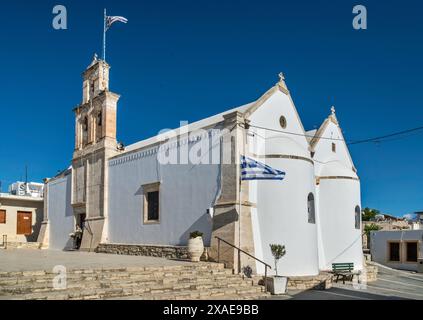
[[340, 241], [60, 213], [282, 211], [186, 192]]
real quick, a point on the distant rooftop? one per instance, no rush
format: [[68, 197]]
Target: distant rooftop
[[9, 196]]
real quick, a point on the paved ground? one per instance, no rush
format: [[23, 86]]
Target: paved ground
[[34, 260], [391, 285]]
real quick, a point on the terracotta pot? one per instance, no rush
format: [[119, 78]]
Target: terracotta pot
[[195, 249]]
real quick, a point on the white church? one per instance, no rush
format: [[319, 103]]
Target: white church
[[155, 192]]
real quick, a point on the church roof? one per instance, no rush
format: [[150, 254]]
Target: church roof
[[205, 123]]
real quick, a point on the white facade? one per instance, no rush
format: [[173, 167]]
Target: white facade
[[339, 199], [311, 212], [281, 215]]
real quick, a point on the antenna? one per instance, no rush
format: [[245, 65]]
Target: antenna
[[26, 174]]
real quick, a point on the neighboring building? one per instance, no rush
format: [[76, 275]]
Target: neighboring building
[[397, 249], [28, 189], [417, 223], [385, 222], [21, 213], [138, 196]]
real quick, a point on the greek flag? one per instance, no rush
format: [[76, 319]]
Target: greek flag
[[112, 19], [254, 170]]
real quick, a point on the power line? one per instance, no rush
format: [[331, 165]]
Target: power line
[[379, 139], [395, 134], [294, 133]]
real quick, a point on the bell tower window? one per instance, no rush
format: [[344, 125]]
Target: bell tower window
[[85, 130], [99, 129], [100, 119]]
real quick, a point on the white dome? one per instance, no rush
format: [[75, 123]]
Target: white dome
[[336, 169]]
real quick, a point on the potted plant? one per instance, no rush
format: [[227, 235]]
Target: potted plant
[[277, 284], [195, 246]]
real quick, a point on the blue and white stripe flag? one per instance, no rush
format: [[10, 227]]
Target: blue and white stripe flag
[[112, 19], [254, 170]]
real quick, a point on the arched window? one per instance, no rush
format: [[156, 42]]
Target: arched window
[[99, 129], [358, 217], [85, 130], [99, 119], [311, 209]]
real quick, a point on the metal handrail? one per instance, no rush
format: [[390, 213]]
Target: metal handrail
[[5, 241], [239, 259]]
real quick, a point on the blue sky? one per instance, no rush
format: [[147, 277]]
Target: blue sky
[[186, 60]]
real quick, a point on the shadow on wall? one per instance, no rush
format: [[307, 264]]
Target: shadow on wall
[[204, 224], [39, 215]]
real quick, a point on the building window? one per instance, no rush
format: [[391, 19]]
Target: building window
[[358, 217], [2, 216], [85, 130], [151, 203], [282, 122], [411, 254], [333, 147], [311, 209], [394, 251], [100, 119]]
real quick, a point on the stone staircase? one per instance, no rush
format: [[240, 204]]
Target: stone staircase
[[182, 282]]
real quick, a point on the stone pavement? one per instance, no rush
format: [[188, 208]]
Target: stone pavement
[[32, 260], [391, 285]]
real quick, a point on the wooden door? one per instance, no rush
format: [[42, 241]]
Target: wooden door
[[24, 223]]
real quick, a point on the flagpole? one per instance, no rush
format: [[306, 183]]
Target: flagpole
[[104, 36]]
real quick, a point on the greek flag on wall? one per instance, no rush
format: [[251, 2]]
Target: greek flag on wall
[[254, 170]]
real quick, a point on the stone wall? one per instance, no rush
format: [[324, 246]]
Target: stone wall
[[371, 273], [169, 252], [321, 282]]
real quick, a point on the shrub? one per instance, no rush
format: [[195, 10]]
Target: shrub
[[195, 234]]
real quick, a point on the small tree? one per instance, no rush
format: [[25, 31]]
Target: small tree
[[278, 251], [371, 227], [370, 214], [368, 229]]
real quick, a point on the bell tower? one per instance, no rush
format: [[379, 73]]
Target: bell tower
[[95, 143]]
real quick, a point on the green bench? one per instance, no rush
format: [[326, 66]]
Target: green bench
[[344, 271]]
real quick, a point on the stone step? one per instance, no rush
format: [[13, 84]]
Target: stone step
[[209, 267], [48, 279], [113, 276], [204, 280], [192, 281], [209, 294], [141, 293]]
